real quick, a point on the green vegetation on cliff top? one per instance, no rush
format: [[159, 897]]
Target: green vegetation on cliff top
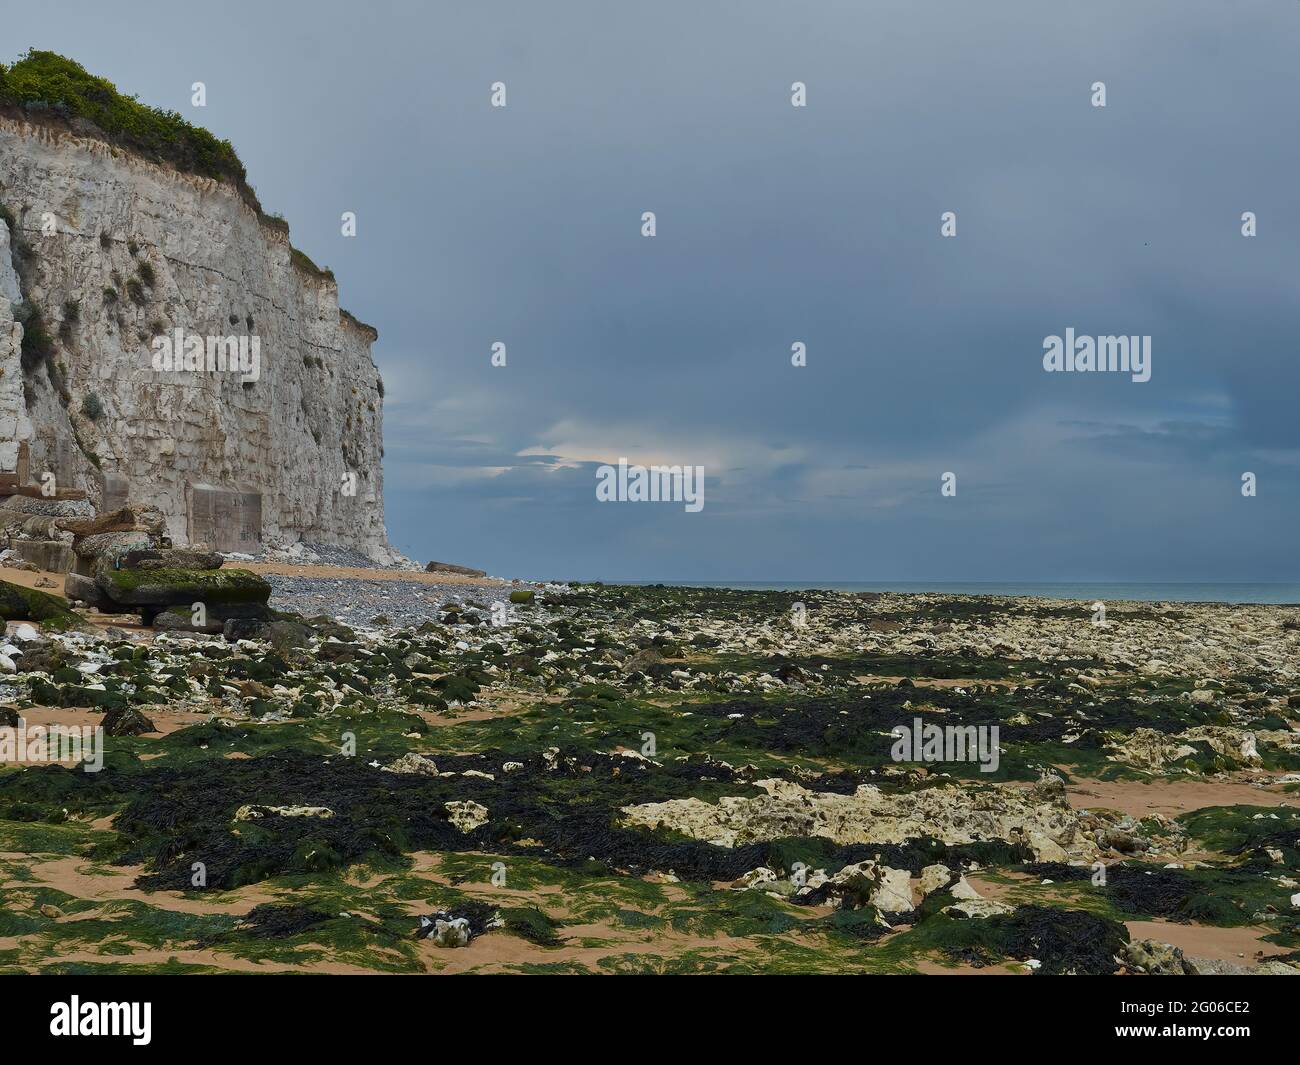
[[47, 81]]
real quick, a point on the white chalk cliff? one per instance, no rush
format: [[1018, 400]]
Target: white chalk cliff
[[116, 249]]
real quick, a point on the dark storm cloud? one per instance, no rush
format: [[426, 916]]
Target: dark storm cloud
[[775, 225]]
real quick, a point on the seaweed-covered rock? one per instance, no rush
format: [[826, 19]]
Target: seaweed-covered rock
[[212, 619], [41, 658], [1157, 959], [284, 635], [27, 604], [174, 587], [126, 721], [1061, 941], [236, 629]]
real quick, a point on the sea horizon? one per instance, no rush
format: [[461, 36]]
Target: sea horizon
[[1265, 593]]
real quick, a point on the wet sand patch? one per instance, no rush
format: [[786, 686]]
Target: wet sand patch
[[1239, 944], [28, 579], [1170, 798], [83, 879]]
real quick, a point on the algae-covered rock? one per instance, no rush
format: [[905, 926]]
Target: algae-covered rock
[[27, 604], [285, 635], [125, 721], [212, 620], [174, 587], [236, 629], [1156, 958]]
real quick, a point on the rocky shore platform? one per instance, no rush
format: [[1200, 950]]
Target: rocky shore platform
[[437, 772]]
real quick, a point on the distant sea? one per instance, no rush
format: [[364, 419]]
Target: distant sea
[[1174, 592]]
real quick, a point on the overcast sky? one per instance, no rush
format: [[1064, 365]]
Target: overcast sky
[[778, 224]]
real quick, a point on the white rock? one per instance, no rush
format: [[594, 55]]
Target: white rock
[[755, 878], [933, 877], [950, 814], [895, 892], [466, 815], [453, 933], [891, 889], [976, 909], [254, 812]]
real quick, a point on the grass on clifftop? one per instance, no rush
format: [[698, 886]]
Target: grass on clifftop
[[47, 81]]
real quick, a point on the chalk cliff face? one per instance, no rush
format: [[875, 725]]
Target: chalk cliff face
[[116, 250]]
